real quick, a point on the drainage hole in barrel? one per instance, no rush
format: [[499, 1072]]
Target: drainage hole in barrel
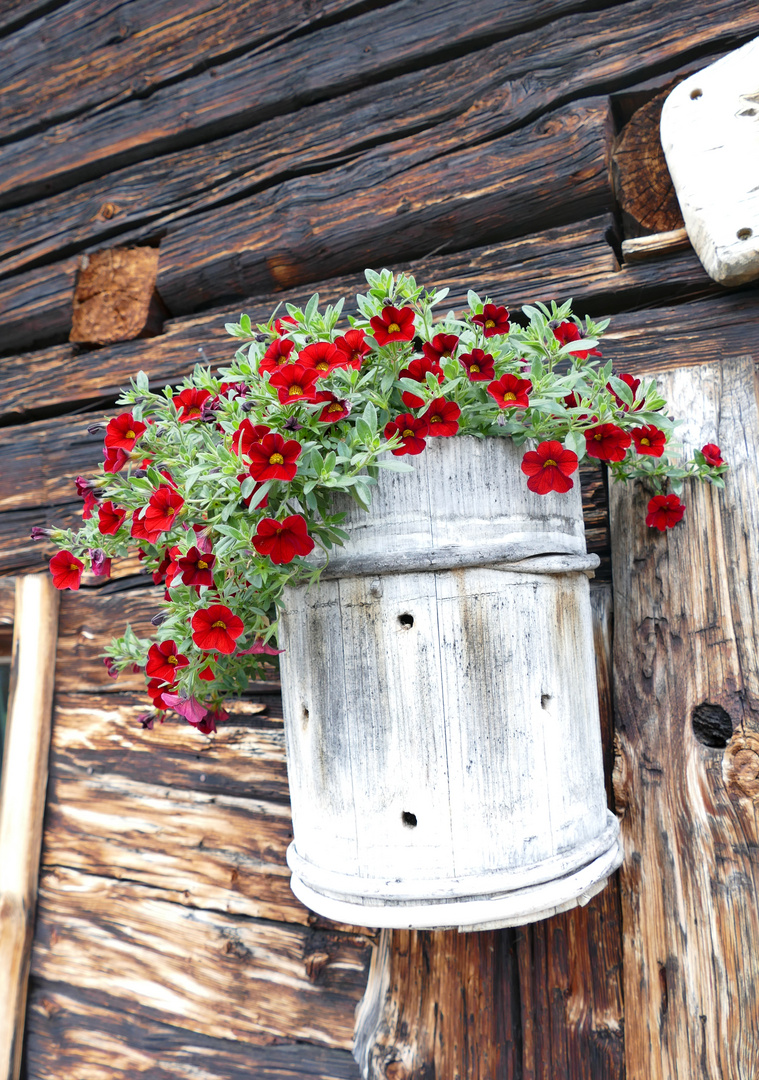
[[409, 820], [407, 621]]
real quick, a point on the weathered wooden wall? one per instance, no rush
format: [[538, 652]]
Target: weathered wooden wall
[[267, 146]]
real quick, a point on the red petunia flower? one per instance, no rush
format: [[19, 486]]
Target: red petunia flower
[[207, 674], [90, 503], [355, 347], [510, 392], [394, 324], [191, 402], [110, 518], [66, 570], [284, 325], [197, 567], [334, 409], [633, 383], [274, 458], [442, 345], [283, 540], [258, 648], [114, 459], [294, 383], [664, 512], [549, 468], [412, 430], [164, 504], [712, 454], [570, 331], [216, 629], [322, 357], [246, 435], [156, 689], [493, 320], [479, 365], [607, 442], [123, 432], [276, 356], [442, 417], [417, 370], [649, 440], [164, 662]]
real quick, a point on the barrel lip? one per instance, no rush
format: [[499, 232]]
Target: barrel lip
[[491, 883], [466, 503]]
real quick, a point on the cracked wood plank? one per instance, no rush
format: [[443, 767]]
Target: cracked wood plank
[[686, 674], [219, 975], [450, 104], [78, 1035], [362, 51]]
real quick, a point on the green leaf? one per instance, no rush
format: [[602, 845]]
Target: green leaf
[[575, 441], [363, 430], [393, 465], [621, 389], [142, 382], [317, 461], [246, 488], [473, 300], [370, 417], [245, 324], [311, 307]]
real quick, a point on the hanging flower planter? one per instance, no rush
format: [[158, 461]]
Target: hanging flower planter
[[438, 674], [439, 689]]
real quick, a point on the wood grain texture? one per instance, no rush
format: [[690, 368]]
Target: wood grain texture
[[642, 183], [306, 228], [686, 622], [218, 975], [368, 48], [576, 260], [76, 1035], [35, 306], [452, 103], [532, 1002], [22, 801], [95, 53]]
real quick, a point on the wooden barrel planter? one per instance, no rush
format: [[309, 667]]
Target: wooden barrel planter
[[441, 712]]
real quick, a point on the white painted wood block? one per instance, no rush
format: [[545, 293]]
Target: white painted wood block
[[710, 137], [441, 710]]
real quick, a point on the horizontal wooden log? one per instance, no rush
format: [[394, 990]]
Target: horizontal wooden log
[[551, 173], [74, 1035], [219, 975], [98, 736], [451, 104], [362, 51], [35, 307], [16, 13], [81, 59], [214, 852]]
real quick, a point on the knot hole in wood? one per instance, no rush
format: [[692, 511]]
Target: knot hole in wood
[[712, 725]]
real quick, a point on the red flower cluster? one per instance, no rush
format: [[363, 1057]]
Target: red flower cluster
[[123, 432], [549, 468], [412, 430], [493, 320], [442, 417], [712, 455], [274, 458], [283, 540], [393, 324], [355, 347], [190, 403], [649, 440], [664, 512], [216, 629], [570, 331], [607, 442], [510, 392], [294, 383], [66, 570], [164, 661], [479, 365]]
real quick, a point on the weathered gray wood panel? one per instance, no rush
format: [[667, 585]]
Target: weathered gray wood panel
[[687, 692]]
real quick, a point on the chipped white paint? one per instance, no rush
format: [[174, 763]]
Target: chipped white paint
[[439, 687], [710, 136]]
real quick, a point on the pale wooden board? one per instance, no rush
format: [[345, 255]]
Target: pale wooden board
[[710, 136], [686, 631], [22, 801]]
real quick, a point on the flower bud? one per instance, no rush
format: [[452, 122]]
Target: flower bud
[[40, 534], [159, 617]]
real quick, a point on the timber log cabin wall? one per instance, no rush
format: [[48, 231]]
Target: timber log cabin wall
[[182, 161]]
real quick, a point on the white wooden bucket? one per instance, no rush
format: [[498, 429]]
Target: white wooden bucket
[[441, 712]]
